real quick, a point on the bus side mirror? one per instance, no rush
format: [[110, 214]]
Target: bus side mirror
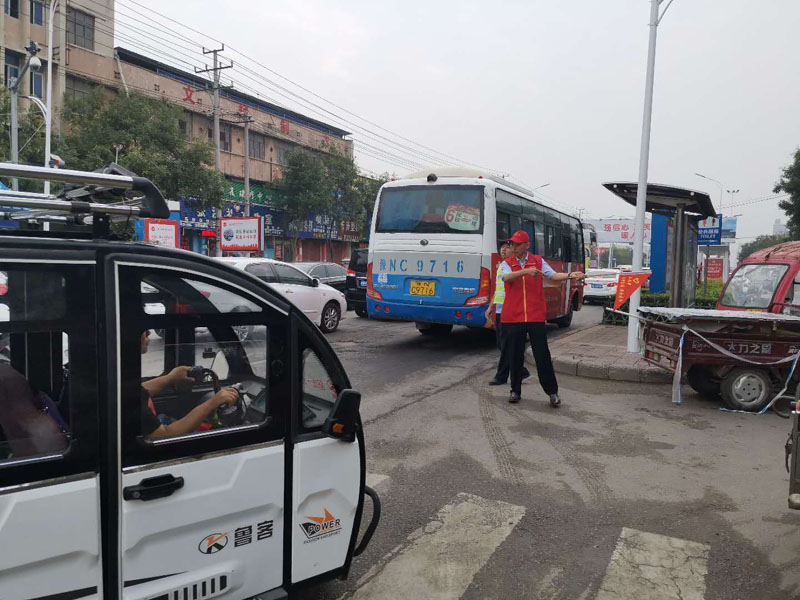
[[343, 420]]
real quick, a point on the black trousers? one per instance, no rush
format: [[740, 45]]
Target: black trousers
[[503, 365], [516, 336]]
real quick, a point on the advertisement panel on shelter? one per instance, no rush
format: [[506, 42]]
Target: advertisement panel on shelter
[[240, 234], [617, 231], [161, 232]]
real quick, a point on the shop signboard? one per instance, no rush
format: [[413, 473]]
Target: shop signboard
[[241, 234], [161, 232]]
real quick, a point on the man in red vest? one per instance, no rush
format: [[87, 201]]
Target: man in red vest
[[525, 314]]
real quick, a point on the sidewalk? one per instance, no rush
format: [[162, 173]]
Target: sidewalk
[[600, 352]]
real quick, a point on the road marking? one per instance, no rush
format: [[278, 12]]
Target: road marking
[[656, 567], [444, 556]]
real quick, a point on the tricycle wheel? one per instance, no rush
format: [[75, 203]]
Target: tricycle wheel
[[701, 381], [746, 388]]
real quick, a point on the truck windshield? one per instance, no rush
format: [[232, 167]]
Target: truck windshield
[[753, 286], [431, 209]]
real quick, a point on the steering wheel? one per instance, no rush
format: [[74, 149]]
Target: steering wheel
[[228, 415]]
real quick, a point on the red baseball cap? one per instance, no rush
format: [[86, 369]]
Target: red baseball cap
[[520, 237]]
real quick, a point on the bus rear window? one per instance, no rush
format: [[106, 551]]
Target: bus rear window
[[431, 209]]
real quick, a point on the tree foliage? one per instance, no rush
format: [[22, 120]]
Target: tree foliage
[[789, 183], [761, 242], [327, 184], [151, 143]]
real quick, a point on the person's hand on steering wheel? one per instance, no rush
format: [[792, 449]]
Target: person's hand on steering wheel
[[224, 396], [180, 375]]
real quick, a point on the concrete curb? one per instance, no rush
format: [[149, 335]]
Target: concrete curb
[[596, 353]]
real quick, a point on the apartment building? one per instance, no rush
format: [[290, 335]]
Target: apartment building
[[84, 56]]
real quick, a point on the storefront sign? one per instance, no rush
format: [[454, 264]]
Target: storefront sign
[[323, 227], [161, 232], [242, 233]]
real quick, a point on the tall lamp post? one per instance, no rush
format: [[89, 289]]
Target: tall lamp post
[[644, 161], [32, 62], [48, 119], [721, 187]]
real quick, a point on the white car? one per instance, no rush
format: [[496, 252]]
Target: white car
[[321, 303], [600, 284]]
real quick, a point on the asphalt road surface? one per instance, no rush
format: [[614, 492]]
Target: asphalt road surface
[[618, 494]]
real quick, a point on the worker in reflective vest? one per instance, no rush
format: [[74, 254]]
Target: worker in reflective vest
[[525, 313], [493, 315]]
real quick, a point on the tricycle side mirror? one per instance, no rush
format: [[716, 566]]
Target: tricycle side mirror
[[343, 420], [314, 282]]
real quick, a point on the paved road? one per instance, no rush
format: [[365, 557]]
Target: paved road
[[618, 494]]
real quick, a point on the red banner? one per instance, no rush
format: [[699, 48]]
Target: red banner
[[715, 266], [627, 284]]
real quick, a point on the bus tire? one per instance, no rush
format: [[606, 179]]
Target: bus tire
[[434, 329], [565, 321]]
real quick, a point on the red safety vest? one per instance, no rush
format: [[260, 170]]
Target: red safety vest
[[525, 296]]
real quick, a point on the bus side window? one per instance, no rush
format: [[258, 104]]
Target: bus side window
[[503, 227], [566, 247], [539, 239], [553, 248], [527, 226]]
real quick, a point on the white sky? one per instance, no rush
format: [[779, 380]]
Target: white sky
[[546, 90]]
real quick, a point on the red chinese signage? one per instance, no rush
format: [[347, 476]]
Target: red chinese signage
[[627, 284], [284, 126], [715, 266], [241, 233]]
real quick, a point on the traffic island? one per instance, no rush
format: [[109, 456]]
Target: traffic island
[[600, 352]]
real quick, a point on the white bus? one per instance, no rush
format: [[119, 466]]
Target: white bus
[[434, 248]]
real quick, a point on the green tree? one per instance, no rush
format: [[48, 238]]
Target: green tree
[[761, 242], [789, 183], [151, 143]]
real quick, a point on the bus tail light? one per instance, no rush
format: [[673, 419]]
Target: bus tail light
[[484, 289], [371, 291]]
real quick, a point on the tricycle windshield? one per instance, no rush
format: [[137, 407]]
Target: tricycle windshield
[[753, 286]]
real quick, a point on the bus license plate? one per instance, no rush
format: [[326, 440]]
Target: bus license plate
[[423, 288]]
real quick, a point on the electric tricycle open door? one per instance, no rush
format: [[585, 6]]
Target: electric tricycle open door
[[171, 429]]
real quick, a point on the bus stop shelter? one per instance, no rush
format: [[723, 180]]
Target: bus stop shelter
[[673, 246]]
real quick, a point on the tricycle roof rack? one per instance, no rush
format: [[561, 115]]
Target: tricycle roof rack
[[101, 194]]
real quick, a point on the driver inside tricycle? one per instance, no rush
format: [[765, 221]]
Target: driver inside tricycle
[[220, 377]]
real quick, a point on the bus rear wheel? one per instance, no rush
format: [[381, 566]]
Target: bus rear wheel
[[436, 329]]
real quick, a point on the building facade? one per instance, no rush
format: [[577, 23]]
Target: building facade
[[84, 57]]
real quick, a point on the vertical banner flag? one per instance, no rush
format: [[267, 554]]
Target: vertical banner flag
[[627, 284], [241, 233]]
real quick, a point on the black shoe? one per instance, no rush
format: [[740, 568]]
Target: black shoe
[[515, 397], [525, 374], [555, 401], [496, 381]]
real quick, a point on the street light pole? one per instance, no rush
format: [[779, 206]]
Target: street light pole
[[721, 187], [644, 161], [48, 119], [30, 62]]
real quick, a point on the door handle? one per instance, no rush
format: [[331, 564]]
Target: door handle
[[153, 488]]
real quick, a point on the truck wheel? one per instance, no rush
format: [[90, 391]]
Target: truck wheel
[[701, 381], [437, 329], [746, 388]]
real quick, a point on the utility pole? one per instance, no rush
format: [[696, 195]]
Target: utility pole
[[247, 122], [216, 87], [644, 163]]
